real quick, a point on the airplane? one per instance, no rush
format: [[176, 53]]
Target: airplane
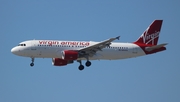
[[66, 52]]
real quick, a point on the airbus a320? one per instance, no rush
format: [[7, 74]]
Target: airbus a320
[[66, 52]]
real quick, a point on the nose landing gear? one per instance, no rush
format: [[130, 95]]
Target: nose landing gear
[[32, 63]]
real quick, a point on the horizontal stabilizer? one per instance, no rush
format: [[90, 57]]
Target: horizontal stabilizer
[[155, 47]]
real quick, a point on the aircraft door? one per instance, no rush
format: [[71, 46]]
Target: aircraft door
[[33, 45]]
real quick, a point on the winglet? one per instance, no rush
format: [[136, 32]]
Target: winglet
[[118, 37]]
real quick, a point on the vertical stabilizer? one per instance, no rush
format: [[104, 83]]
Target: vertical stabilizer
[[151, 34]]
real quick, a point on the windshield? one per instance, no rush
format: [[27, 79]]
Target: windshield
[[22, 45]]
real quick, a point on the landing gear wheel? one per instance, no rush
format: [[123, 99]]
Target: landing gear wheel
[[32, 64], [88, 63], [81, 67]]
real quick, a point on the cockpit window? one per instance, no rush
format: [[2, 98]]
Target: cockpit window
[[22, 45]]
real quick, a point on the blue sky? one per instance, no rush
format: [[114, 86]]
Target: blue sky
[[152, 78]]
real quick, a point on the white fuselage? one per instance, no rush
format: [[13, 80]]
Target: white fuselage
[[54, 48]]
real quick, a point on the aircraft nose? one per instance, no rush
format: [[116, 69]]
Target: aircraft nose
[[14, 50]]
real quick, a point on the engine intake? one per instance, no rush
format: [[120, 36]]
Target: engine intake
[[69, 55]]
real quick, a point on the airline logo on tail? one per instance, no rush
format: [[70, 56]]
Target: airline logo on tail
[[150, 38], [151, 34]]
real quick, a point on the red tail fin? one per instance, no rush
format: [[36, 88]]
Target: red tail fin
[[151, 34]]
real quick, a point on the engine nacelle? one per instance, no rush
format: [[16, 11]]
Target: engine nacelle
[[69, 55], [59, 62]]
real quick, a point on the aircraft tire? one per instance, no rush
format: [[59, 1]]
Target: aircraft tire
[[81, 67], [32, 64], [88, 63]]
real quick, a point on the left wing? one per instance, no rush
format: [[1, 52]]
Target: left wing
[[91, 50]]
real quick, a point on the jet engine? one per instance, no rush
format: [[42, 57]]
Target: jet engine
[[69, 55], [59, 62]]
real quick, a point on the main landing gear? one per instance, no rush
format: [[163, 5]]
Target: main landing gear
[[88, 63], [32, 63], [81, 67]]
